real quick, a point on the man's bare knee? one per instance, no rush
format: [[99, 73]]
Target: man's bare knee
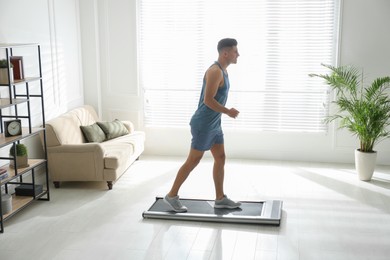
[[220, 158], [194, 157], [194, 160]]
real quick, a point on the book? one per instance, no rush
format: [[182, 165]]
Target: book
[[3, 170], [3, 175], [17, 62]]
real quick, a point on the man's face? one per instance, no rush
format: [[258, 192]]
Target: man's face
[[232, 54]]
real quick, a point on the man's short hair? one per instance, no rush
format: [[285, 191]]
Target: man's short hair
[[227, 42]]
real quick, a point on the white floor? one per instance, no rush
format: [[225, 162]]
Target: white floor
[[327, 214]]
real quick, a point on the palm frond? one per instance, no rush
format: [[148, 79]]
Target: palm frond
[[377, 88], [344, 80], [364, 111]]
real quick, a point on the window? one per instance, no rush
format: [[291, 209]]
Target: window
[[280, 43]]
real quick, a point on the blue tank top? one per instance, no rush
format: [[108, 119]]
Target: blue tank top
[[204, 118]]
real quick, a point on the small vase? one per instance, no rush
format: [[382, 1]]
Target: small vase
[[21, 162], [6, 203], [365, 164], [4, 75]]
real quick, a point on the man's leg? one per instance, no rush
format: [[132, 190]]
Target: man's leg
[[192, 161], [218, 152], [221, 200]]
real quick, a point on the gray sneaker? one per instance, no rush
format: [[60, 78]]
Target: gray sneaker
[[226, 203], [175, 203]]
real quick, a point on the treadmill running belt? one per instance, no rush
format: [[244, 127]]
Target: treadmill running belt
[[255, 212]]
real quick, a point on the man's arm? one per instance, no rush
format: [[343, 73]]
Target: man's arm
[[214, 79]]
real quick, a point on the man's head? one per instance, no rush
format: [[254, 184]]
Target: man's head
[[226, 43], [227, 50]]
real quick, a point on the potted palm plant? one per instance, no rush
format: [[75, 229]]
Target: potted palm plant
[[20, 152], [363, 110]]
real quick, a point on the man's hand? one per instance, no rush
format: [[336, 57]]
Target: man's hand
[[233, 113]]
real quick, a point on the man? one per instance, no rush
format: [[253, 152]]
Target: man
[[206, 127]]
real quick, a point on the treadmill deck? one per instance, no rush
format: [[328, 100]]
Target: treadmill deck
[[252, 212]]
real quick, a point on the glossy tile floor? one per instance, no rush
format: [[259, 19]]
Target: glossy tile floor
[[327, 214]]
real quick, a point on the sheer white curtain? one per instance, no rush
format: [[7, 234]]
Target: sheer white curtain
[[280, 42]]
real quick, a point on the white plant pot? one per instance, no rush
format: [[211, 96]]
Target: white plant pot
[[6, 203], [365, 164], [4, 75]]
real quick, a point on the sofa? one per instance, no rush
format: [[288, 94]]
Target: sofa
[[80, 147]]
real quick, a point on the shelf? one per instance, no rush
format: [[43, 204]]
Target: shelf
[[4, 102], [26, 79], [15, 45], [32, 163], [19, 202], [21, 81], [19, 93], [25, 133]]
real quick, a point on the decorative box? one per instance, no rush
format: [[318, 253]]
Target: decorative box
[[28, 190]]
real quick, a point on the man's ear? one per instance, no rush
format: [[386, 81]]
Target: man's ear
[[225, 52]]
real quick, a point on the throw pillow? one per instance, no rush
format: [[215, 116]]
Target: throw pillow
[[113, 129], [93, 133]]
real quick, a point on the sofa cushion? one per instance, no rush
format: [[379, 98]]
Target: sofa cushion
[[64, 129], [93, 133], [116, 153], [86, 115], [113, 129]]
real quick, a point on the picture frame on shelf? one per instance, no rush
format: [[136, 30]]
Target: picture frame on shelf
[[18, 69]]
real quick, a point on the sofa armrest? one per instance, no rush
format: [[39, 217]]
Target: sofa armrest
[[129, 125], [76, 162]]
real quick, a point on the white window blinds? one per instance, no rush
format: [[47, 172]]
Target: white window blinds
[[280, 43]]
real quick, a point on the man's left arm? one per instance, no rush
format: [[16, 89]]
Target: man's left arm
[[214, 78]]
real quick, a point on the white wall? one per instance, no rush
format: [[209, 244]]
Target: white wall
[[105, 31], [55, 25], [365, 41], [108, 30], [109, 44]]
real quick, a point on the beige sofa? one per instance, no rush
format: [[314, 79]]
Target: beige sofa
[[72, 158]]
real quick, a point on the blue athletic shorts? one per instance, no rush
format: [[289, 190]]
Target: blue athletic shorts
[[203, 141]]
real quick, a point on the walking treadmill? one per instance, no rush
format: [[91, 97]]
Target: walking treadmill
[[251, 212]]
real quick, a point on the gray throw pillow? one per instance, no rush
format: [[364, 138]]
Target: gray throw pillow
[[113, 129], [93, 133]]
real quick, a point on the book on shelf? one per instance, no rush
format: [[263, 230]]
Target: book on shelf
[[17, 62], [3, 174]]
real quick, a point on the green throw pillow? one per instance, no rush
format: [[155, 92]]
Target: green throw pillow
[[113, 129], [93, 133]]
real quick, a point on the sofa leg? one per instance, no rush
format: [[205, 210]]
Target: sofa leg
[[109, 184], [56, 184]]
